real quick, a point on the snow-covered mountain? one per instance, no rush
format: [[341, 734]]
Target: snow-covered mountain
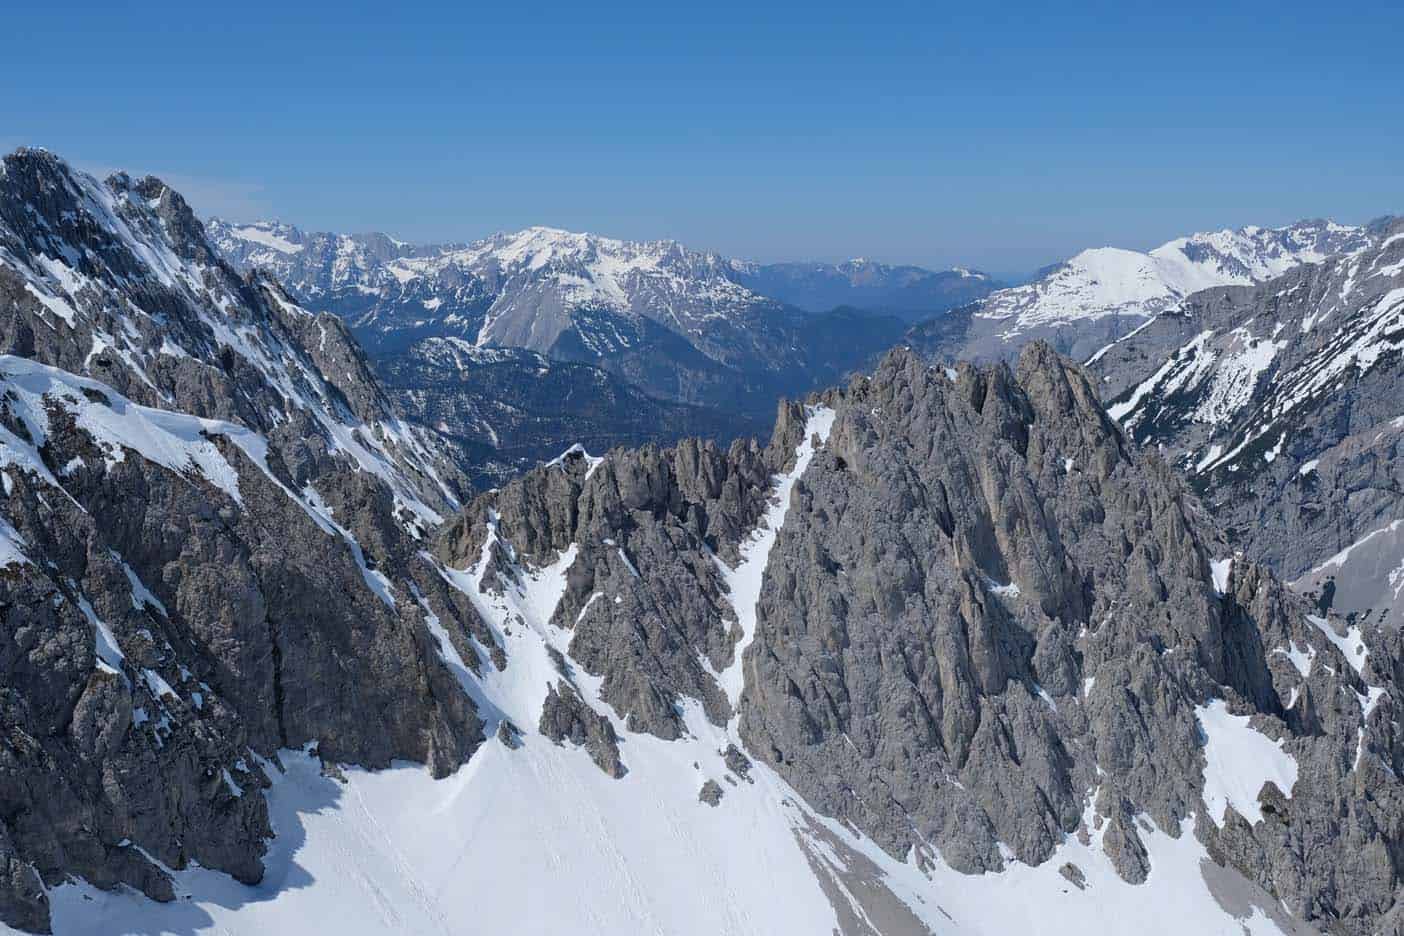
[[947, 637], [681, 324], [658, 278], [1112, 281], [1102, 293], [1285, 403], [524, 285]]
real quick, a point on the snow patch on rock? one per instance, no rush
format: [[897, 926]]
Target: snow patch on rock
[[1238, 760]]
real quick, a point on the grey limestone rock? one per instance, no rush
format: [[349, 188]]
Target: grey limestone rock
[[987, 613], [566, 717], [509, 734], [169, 627], [737, 762], [1074, 875], [711, 793]]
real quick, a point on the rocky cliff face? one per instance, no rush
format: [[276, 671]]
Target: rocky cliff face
[[209, 532], [1019, 614], [1282, 403], [978, 624]]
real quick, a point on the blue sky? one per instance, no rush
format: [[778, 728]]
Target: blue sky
[[908, 132]]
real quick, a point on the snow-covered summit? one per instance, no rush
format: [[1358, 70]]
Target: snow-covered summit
[[522, 286], [1251, 254], [683, 324], [1113, 281], [540, 275], [1096, 282], [273, 235]]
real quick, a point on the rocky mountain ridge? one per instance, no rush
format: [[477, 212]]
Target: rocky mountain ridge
[[212, 520], [1282, 403], [971, 577]]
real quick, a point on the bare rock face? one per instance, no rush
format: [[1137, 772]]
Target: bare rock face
[[509, 734], [23, 903], [211, 520], [988, 622], [737, 762], [644, 597], [985, 604], [711, 793], [1074, 875], [566, 717]]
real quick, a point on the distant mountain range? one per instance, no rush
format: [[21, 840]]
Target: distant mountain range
[[681, 324], [909, 292], [663, 280], [1100, 294], [511, 409], [724, 337]]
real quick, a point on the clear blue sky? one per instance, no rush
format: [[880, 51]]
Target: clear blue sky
[[1001, 138]]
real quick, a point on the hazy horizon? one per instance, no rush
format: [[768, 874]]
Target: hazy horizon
[[1002, 140]]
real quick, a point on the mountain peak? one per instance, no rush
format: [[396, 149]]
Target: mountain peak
[[1115, 281]]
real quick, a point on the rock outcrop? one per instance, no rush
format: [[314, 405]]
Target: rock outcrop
[[988, 623], [566, 717], [210, 547]]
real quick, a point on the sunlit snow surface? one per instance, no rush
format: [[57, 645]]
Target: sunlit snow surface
[[1237, 762], [538, 840], [744, 582], [1112, 281]]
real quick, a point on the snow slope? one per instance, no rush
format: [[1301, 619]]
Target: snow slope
[[1237, 762], [744, 582], [1112, 281], [1102, 281], [538, 841]]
